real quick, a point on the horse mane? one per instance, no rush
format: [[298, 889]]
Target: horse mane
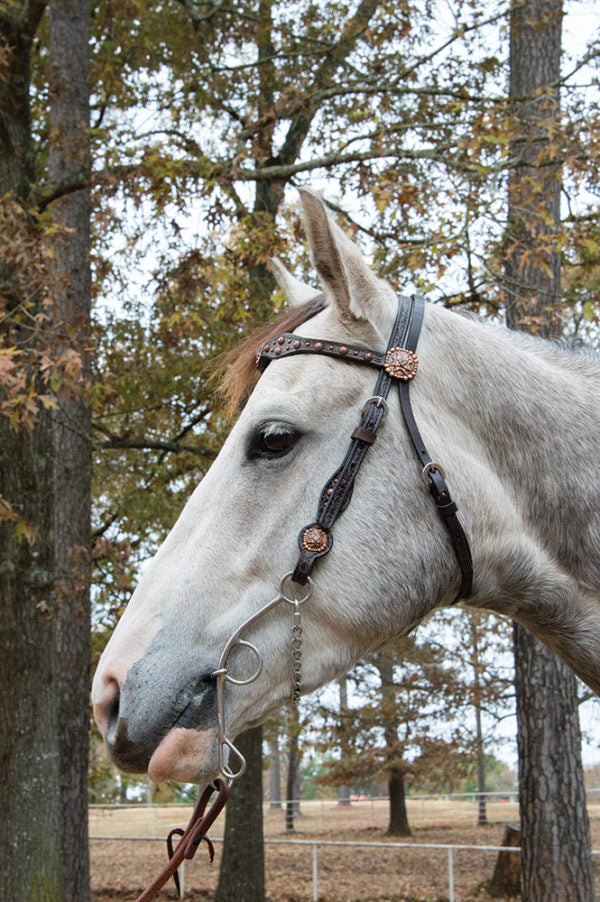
[[235, 371]]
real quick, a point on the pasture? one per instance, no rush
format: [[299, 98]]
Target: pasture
[[122, 868]]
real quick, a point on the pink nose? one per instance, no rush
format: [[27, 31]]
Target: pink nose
[[105, 699]]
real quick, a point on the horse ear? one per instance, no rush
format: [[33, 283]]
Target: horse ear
[[350, 282], [296, 292]]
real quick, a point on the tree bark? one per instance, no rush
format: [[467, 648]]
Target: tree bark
[[506, 879], [398, 823], [532, 272], [30, 825], [70, 291], [477, 693], [556, 851], [30, 801], [44, 686], [292, 788], [556, 854], [343, 791], [242, 875], [274, 772]]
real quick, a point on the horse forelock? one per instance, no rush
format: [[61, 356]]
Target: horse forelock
[[236, 370]]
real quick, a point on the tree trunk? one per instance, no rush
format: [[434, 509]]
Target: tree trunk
[[506, 879], [344, 791], [292, 789], [556, 852], [532, 271], [477, 693], [481, 799], [30, 825], [242, 876], [70, 291], [274, 772], [398, 823]]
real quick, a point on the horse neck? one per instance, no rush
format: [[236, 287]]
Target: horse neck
[[520, 420], [532, 407]]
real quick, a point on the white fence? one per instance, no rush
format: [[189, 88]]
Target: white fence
[[315, 844], [319, 809]]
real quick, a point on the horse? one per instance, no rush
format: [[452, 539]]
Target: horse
[[513, 422]]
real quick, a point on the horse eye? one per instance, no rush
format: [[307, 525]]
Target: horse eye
[[272, 440]]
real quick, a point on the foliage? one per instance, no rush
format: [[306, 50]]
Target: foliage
[[498, 777], [204, 117]]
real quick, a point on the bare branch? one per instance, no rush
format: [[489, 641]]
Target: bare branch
[[148, 444]]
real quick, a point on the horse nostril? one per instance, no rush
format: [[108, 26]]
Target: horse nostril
[[113, 712], [106, 698]]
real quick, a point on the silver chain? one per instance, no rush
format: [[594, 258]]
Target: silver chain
[[297, 653]]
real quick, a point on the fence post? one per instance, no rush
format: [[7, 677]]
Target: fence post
[[450, 876], [315, 875]]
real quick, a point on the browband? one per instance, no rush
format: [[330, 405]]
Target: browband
[[399, 364]]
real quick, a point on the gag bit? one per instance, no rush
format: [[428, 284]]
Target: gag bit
[[222, 676]]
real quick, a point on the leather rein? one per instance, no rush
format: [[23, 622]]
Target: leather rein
[[398, 365]]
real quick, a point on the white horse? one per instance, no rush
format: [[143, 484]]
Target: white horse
[[514, 421]]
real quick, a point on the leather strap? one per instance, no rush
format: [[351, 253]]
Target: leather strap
[[399, 363], [434, 474], [316, 540], [190, 838]]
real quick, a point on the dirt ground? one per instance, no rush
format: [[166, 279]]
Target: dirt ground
[[122, 868]]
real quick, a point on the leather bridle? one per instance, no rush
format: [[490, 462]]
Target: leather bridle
[[399, 364]]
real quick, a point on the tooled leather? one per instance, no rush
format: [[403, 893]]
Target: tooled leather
[[287, 343], [336, 495], [399, 364]]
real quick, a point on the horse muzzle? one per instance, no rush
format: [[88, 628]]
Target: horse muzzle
[[156, 726]]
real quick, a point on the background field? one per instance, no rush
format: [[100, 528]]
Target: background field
[[121, 869]]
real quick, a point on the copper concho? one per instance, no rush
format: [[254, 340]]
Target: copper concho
[[314, 539], [401, 364]]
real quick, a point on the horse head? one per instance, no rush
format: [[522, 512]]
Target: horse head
[[155, 690]]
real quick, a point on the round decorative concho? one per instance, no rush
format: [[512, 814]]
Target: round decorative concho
[[401, 364], [315, 539]]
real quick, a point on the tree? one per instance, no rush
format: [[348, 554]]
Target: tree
[[556, 850], [292, 783], [344, 789], [396, 726], [70, 288], [242, 877], [274, 767], [44, 436], [398, 823], [477, 692], [243, 104], [480, 642]]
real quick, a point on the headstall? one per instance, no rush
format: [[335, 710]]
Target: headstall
[[399, 364]]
